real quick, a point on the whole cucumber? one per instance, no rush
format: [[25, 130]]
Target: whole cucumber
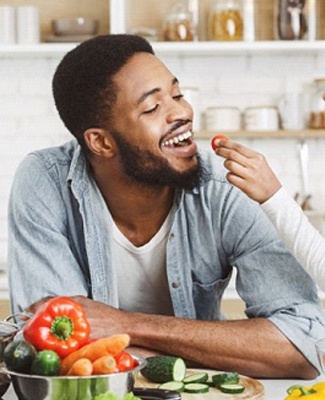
[[161, 369], [19, 356], [46, 363]]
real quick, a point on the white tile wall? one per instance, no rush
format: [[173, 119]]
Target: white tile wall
[[28, 119]]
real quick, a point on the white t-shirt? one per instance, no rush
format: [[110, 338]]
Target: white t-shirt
[[299, 235], [141, 272]]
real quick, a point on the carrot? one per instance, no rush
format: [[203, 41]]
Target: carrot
[[93, 350], [82, 367], [104, 365]]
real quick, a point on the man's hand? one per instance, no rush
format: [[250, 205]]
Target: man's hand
[[248, 170], [33, 307], [104, 320]]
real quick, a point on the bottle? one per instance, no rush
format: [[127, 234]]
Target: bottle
[[179, 24], [317, 105], [226, 21], [291, 21]]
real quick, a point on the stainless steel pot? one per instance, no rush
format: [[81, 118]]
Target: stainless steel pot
[[31, 387]]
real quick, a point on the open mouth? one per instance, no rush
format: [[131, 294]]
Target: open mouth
[[181, 140]]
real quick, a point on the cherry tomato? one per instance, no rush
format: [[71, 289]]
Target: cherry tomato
[[124, 361], [213, 144]]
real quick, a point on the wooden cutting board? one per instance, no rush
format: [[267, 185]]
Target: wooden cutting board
[[254, 390]]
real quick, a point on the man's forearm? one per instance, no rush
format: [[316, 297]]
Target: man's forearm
[[253, 347]]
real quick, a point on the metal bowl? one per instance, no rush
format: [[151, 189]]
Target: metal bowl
[[74, 26], [31, 387]]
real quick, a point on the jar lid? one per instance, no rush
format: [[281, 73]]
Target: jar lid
[[226, 4], [179, 16]]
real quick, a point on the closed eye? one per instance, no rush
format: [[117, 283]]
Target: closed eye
[[152, 110], [179, 96]]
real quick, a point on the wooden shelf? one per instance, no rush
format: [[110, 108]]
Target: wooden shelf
[[281, 134]]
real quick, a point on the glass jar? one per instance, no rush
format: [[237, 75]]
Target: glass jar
[[290, 21], [179, 24], [226, 21], [317, 105]]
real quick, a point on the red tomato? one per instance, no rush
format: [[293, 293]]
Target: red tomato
[[124, 361], [214, 146]]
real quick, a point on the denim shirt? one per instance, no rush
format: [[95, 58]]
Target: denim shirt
[[59, 244]]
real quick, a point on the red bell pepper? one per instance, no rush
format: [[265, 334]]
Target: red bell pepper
[[60, 324]]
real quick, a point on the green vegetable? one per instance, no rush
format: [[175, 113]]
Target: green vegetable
[[172, 385], [196, 388], [84, 389], [113, 396], [196, 378], [233, 388], [226, 377], [64, 389], [161, 369], [46, 363], [99, 386], [71, 389], [19, 356]]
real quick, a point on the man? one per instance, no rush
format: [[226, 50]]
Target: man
[[131, 221]]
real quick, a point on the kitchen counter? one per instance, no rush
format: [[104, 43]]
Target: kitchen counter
[[275, 389]]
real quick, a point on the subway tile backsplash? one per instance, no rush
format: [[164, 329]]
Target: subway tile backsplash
[[28, 119]]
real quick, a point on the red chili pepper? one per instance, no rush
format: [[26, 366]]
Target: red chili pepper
[[60, 324]]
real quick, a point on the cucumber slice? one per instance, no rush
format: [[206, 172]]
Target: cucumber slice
[[196, 388], [161, 369], [196, 378], [226, 377], [233, 388], [210, 382], [173, 386]]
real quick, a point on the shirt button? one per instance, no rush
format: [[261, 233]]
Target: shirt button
[[171, 236], [175, 285]]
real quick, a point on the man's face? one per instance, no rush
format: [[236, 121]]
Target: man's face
[[153, 124]]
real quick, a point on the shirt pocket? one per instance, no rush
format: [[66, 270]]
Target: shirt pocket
[[207, 298]]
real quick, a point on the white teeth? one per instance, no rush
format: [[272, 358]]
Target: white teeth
[[177, 139]]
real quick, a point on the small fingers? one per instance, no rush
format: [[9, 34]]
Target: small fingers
[[224, 146], [235, 168]]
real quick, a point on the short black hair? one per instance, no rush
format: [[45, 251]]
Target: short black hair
[[82, 85]]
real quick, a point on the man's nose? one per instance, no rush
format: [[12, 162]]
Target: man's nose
[[179, 109]]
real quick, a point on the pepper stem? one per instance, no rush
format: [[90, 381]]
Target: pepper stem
[[62, 327]]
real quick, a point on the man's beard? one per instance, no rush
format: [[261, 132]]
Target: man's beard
[[144, 167]]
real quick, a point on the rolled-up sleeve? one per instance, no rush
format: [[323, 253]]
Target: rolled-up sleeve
[[270, 280], [303, 325]]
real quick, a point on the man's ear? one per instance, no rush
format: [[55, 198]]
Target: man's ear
[[100, 142]]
